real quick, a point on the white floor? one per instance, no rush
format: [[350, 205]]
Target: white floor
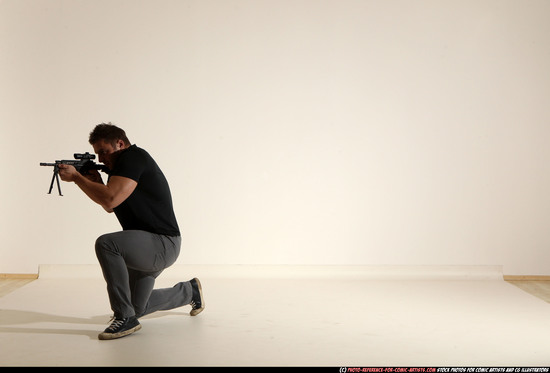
[[286, 316]]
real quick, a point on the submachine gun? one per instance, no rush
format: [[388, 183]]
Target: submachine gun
[[83, 164]]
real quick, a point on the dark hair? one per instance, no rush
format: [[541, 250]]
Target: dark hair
[[109, 133]]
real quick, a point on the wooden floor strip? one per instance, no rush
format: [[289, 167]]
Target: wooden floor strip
[[18, 276]]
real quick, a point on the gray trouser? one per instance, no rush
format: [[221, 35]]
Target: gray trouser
[[131, 261]]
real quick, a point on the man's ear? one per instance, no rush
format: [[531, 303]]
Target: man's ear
[[120, 144]]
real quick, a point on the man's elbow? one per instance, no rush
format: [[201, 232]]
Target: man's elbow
[[109, 203], [117, 191], [109, 207]]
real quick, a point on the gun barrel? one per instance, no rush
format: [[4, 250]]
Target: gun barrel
[[47, 164]]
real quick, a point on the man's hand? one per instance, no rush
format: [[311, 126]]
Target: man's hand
[[67, 172], [94, 175]]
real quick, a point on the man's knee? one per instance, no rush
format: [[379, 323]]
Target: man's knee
[[104, 244]]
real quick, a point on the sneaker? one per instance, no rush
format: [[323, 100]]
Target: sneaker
[[197, 302], [120, 328]]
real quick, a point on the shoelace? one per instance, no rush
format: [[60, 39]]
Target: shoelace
[[193, 304], [115, 324]]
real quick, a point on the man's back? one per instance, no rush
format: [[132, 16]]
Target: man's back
[[149, 207]]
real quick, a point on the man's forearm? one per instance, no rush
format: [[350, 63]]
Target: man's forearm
[[97, 192], [109, 195]]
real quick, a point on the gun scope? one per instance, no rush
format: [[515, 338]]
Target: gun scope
[[84, 156]]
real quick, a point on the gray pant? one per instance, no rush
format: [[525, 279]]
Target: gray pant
[[131, 261]]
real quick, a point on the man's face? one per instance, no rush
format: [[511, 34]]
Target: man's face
[[107, 153]]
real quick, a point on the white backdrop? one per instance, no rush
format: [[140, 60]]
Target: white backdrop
[[340, 132]]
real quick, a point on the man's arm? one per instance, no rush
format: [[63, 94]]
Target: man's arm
[[108, 196]]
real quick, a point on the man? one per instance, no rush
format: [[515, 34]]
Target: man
[[150, 241]]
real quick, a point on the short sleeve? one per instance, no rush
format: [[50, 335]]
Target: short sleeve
[[130, 164]]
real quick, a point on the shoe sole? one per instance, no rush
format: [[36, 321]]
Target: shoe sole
[[198, 310], [108, 336]]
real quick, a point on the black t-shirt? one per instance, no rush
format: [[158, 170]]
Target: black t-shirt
[[149, 207]]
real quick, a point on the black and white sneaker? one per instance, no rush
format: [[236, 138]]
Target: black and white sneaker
[[197, 302], [120, 328]]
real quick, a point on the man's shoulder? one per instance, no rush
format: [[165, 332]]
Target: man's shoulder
[[131, 158], [135, 151]]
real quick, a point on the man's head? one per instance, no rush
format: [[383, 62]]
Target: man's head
[[108, 140]]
